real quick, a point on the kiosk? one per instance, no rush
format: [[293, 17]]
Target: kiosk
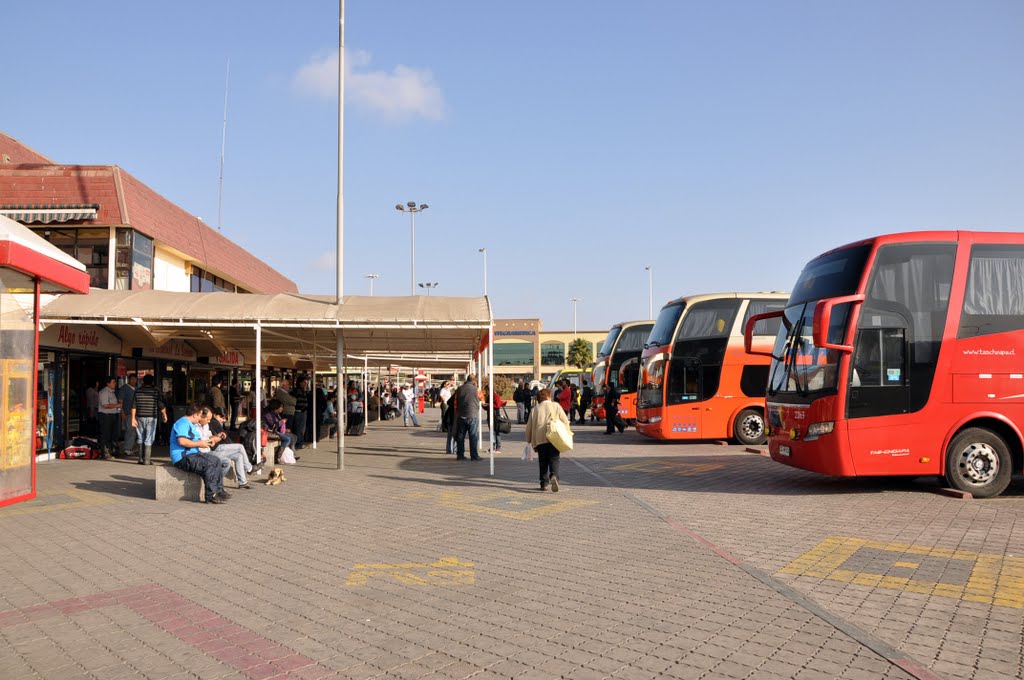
[[29, 267]]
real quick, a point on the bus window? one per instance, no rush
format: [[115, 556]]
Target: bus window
[[629, 375], [765, 326], [683, 381], [993, 300]]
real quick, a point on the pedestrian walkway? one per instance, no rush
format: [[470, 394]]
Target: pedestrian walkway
[[654, 560]]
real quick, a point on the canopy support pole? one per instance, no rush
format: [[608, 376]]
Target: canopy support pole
[[258, 389], [366, 386], [339, 392], [313, 389], [490, 381]]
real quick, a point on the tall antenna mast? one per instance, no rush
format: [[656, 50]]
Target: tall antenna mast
[[223, 143]]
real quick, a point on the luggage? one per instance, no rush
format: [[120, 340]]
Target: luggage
[[559, 435]]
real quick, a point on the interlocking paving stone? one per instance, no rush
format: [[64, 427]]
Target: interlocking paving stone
[[604, 588]]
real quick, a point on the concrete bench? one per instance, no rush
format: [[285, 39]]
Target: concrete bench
[[173, 484]]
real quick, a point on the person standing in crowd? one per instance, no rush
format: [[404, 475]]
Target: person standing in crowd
[[444, 395], [235, 401], [185, 442], [217, 394], [536, 436], [298, 421], [519, 397], [109, 408], [611, 409], [467, 418], [492, 424], [586, 397], [531, 399], [409, 410], [145, 408], [126, 394], [283, 394], [564, 397]]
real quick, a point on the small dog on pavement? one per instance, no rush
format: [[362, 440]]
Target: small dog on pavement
[[276, 477]]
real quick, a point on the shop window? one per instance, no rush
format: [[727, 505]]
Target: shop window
[[552, 354], [513, 354]]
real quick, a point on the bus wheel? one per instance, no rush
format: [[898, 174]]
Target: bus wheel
[[749, 428], [978, 461]]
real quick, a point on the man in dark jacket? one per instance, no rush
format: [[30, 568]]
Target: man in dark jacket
[[611, 409], [586, 396], [467, 418]]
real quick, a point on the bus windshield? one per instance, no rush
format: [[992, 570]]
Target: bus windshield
[[609, 342], [798, 367], [665, 326]]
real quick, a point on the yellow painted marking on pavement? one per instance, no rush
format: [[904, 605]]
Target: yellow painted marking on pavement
[[989, 579], [47, 501], [676, 467], [444, 571], [511, 505]]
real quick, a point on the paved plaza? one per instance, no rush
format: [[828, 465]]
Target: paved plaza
[[654, 560]]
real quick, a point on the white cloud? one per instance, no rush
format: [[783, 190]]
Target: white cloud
[[403, 93], [327, 261]]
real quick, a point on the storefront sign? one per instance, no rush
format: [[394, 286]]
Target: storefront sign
[[177, 350], [86, 338], [230, 358]]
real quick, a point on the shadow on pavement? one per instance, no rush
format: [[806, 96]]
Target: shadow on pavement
[[119, 485]]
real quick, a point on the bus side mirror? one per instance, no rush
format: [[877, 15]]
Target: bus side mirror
[[823, 320], [748, 331]]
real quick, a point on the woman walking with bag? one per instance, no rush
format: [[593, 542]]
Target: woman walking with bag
[[541, 416]]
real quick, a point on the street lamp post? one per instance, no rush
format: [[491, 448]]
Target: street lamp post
[[372, 277], [412, 209], [429, 287], [484, 251], [574, 301], [650, 291]]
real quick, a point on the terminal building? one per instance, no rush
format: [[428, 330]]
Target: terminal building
[[128, 237], [524, 350]]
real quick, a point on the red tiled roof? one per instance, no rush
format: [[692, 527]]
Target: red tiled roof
[[13, 151], [32, 179], [155, 216]]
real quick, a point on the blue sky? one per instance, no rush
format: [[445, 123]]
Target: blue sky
[[722, 143]]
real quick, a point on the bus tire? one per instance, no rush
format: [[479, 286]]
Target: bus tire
[[748, 428], [978, 461]]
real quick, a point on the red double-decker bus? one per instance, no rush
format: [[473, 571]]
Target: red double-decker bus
[[618, 363], [904, 355], [697, 382]]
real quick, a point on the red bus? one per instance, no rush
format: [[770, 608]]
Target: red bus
[[904, 355], [618, 362], [696, 380]]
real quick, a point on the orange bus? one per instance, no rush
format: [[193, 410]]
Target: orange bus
[[618, 362], [696, 380], [901, 355]]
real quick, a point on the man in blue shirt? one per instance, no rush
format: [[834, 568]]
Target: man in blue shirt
[[186, 440]]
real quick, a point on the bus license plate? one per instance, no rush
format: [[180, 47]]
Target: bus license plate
[[783, 450]]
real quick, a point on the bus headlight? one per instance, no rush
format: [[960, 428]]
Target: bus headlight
[[817, 429], [654, 419]]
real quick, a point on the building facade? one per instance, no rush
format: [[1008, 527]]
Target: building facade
[[129, 237], [524, 350]]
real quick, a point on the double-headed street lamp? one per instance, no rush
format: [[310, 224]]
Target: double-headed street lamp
[[428, 286], [574, 301], [371, 277], [412, 209]]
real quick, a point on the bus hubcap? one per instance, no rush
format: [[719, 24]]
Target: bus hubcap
[[979, 463], [752, 427]]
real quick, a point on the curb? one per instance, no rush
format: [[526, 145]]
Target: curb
[[760, 452], [955, 493]]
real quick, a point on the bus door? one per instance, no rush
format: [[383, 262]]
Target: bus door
[[894, 360], [682, 397]]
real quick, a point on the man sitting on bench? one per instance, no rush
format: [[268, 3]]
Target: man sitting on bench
[[186, 440]]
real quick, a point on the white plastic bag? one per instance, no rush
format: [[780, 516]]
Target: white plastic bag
[[287, 456], [527, 452]]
